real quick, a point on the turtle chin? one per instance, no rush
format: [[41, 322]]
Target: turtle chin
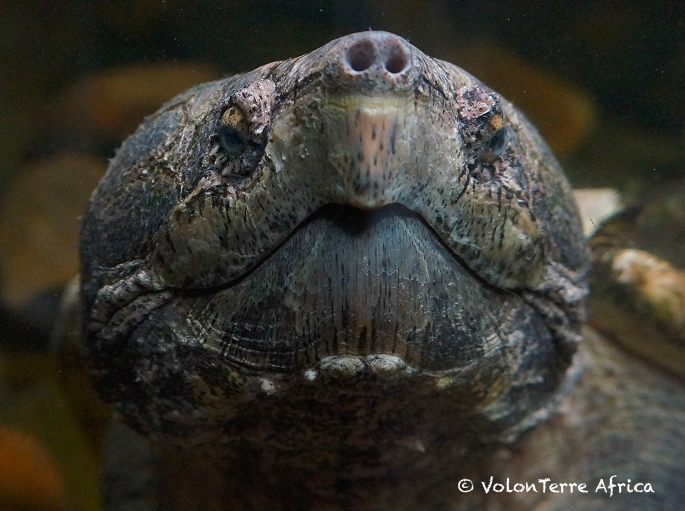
[[352, 301]]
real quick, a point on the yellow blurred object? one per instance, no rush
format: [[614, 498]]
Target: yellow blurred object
[[39, 226], [35, 416], [29, 478], [112, 103]]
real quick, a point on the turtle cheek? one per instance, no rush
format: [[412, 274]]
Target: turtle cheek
[[162, 380], [497, 239], [518, 254]]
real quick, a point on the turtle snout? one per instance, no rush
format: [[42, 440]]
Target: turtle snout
[[384, 52], [376, 60], [361, 130]]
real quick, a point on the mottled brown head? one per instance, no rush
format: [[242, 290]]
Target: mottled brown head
[[360, 220]]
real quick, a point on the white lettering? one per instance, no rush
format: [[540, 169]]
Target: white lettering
[[604, 487], [487, 488], [608, 486]]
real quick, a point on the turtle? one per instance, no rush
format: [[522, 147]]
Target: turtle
[[357, 279]]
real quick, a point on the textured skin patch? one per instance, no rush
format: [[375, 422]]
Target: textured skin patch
[[255, 101]]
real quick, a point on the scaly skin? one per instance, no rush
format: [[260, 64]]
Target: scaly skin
[[372, 291]]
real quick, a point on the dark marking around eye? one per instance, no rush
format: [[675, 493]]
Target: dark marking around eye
[[498, 141], [230, 140], [495, 146]]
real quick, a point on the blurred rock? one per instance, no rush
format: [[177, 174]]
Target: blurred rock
[[638, 300], [596, 205], [638, 284], [655, 222], [95, 114], [39, 211], [660, 226], [659, 284], [29, 478]]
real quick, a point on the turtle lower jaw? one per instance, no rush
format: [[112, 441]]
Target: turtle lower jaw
[[358, 283], [345, 285], [352, 302]]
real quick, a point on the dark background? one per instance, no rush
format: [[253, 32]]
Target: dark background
[[628, 56]]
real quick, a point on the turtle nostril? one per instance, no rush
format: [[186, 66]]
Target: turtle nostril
[[360, 56], [397, 60]]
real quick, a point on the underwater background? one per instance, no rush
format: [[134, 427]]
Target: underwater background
[[604, 81]]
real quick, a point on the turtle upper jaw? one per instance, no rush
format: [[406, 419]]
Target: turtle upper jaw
[[363, 158], [368, 94], [369, 142], [363, 131], [356, 125]]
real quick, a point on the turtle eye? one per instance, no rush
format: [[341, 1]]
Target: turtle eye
[[233, 151], [230, 140], [237, 143], [498, 141], [495, 146], [233, 131]]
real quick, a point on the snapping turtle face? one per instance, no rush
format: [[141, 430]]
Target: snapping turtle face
[[360, 217]]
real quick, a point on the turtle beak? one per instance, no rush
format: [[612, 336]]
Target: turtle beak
[[370, 140], [371, 84]]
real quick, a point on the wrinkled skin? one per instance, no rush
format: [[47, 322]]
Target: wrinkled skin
[[348, 281]]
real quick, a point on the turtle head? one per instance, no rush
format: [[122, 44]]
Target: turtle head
[[363, 221]]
